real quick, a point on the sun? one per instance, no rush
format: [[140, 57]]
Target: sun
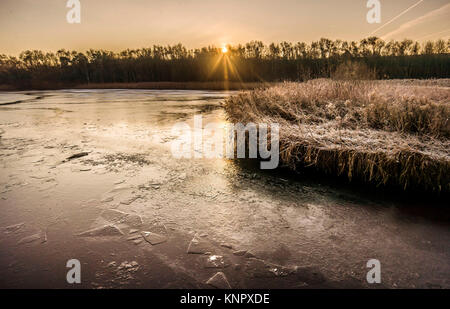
[[224, 49]]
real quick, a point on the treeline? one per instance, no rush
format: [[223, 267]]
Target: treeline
[[250, 62]]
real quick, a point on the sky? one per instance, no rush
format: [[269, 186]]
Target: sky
[[120, 24]]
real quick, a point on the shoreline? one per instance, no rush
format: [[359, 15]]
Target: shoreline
[[218, 86], [443, 83]]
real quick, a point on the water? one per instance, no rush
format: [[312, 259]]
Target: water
[[299, 232]]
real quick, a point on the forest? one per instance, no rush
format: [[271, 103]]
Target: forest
[[251, 62]]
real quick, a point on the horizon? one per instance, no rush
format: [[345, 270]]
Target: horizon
[[229, 48], [107, 25]]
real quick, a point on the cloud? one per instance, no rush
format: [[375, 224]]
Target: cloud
[[442, 11]]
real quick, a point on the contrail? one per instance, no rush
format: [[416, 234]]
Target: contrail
[[438, 33], [442, 11], [396, 17]]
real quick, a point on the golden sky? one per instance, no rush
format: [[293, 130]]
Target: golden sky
[[120, 24]]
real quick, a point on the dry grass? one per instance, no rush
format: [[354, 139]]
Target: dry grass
[[381, 132]]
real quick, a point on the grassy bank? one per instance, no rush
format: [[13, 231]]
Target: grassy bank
[[384, 133]]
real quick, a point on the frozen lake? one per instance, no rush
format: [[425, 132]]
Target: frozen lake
[[203, 216]]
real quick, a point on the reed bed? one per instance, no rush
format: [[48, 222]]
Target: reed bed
[[385, 133]]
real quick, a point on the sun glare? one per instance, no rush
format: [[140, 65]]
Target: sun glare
[[224, 50]]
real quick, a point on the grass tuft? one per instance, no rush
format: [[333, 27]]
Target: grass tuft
[[387, 133]]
